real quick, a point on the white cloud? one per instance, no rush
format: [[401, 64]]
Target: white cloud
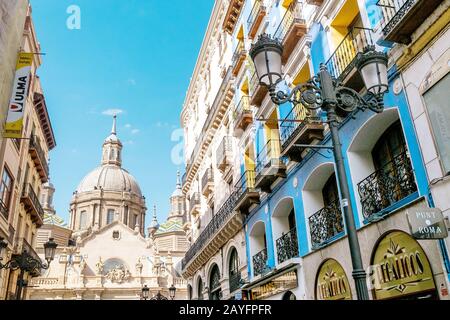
[[131, 82], [129, 142], [135, 131], [128, 126], [111, 112]]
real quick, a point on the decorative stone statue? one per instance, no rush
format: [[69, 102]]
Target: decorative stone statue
[[82, 265], [99, 266], [118, 274], [139, 266]]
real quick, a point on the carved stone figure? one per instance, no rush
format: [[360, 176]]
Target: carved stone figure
[[139, 266], [99, 266], [118, 274]]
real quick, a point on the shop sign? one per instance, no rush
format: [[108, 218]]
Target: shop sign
[[427, 223], [400, 267], [332, 282], [14, 119], [275, 286]]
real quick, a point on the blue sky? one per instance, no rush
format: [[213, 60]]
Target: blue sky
[[132, 55]]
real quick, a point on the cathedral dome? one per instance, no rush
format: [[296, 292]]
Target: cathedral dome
[[109, 178]]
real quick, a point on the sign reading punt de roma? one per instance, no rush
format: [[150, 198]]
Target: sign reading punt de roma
[[427, 223]]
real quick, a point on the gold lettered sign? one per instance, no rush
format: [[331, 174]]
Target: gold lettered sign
[[332, 282], [400, 267]]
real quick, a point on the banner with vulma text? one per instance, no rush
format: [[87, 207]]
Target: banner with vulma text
[[14, 121]]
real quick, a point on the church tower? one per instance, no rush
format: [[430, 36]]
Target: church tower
[[177, 203]]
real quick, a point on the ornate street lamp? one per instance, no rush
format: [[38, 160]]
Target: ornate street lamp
[[172, 291], [26, 263], [326, 93], [145, 291]]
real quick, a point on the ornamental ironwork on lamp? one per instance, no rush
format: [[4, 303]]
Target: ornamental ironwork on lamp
[[322, 91]]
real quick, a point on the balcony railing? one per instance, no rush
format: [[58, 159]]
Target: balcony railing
[[255, 18], [326, 224], [287, 246], [207, 182], [211, 229], [386, 186], [342, 61], [245, 192], [243, 113], [32, 204], [224, 153], [299, 127], [4, 210], [246, 182], [259, 262], [194, 203], [400, 18], [269, 154], [269, 165], [39, 158], [235, 281], [291, 28], [238, 57]]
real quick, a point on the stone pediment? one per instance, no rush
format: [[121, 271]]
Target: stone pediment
[[112, 228]]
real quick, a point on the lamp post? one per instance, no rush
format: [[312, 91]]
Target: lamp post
[[26, 263], [172, 291], [324, 92], [145, 291]]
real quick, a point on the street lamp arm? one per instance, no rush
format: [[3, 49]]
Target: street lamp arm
[[310, 96], [24, 262]]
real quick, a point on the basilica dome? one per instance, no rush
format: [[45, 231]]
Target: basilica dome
[[109, 178]]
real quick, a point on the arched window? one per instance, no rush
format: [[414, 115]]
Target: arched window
[[200, 289], [189, 291], [110, 216], [215, 292], [234, 274], [393, 179], [83, 219], [289, 296], [330, 192]]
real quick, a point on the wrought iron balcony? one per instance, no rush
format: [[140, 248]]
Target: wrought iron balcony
[[235, 281], [400, 18], [243, 114], [39, 159], [326, 224], [269, 165], [23, 247], [386, 186], [299, 127], [232, 15], [208, 182], [222, 227], [291, 29], [245, 192], [255, 18], [287, 246], [194, 204], [224, 153], [341, 64], [32, 205], [238, 57], [257, 91], [4, 210], [259, 262]]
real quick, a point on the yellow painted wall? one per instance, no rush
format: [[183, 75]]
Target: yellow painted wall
[[339, 25]]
